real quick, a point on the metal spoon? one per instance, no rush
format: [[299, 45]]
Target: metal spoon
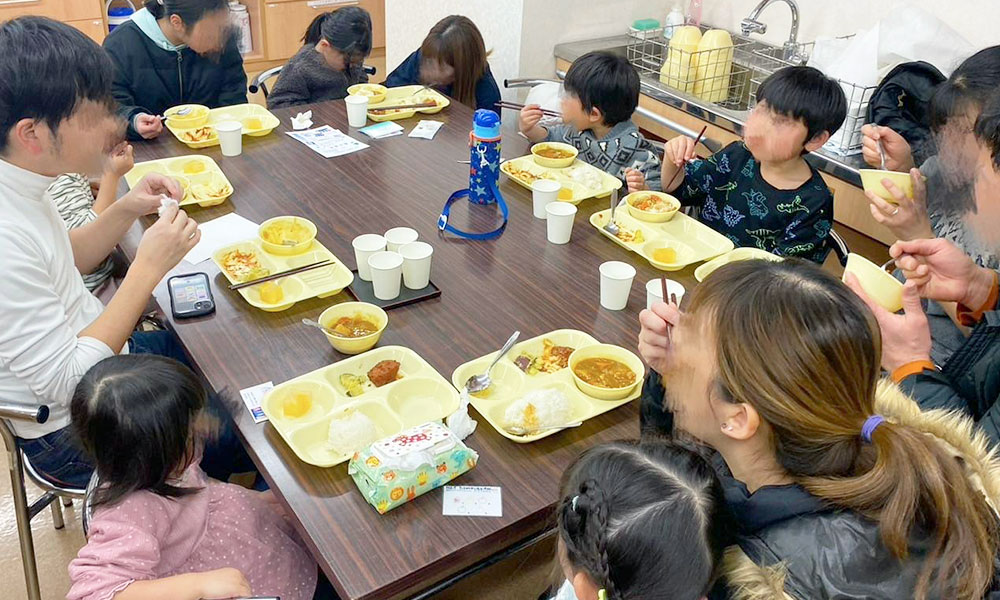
[[317, 325], [612, 227], [520, 431], [886, 265], [479, 383], [881, 153]]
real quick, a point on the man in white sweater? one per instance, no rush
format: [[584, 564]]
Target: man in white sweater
[[57, 116]]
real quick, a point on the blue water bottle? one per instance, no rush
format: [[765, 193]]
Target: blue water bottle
[[484, 172]]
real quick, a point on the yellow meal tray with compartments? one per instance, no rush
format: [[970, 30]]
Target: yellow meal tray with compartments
[[511, 383], [581, 179], [316, 283], [257, 121], [203, 181], [419, 395], [669, 246], [407, 94]]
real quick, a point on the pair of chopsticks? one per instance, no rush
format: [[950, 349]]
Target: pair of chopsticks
[[402, 107], [673, 300], [680, 170], [516, 106], [302, 269]]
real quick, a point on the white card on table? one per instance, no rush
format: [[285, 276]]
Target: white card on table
[[472, 501], [252, 397], [227, 229]]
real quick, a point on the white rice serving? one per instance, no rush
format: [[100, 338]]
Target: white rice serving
[[538, 409], [351, 431]]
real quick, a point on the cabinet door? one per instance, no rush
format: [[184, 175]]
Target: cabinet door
[[94, 28], [377, 10], [286, 23], [61, 10]]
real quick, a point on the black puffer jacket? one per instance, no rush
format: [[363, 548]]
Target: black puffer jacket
[[790, 545], [969, 381], [149, 79]]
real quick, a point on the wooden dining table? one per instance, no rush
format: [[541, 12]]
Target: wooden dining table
[[489, 289]]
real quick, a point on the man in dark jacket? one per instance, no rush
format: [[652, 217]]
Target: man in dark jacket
[[166, 60]]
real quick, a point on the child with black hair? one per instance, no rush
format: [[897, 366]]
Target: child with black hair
[[601, 93], [761, 192], [161, 528], [640, 520], [336, 45]]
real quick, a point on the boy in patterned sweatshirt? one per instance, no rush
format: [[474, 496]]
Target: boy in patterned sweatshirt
[[761, 192], [601, 93]]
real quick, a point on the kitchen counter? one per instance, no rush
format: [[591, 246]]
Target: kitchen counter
[[842, 167]]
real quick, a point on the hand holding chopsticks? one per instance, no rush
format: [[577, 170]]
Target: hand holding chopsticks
[[517, 106], [690, 150]]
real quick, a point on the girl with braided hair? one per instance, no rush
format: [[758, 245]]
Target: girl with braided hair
[[640, 521]]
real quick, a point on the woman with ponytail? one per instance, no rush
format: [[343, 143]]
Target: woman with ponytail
[[840, 485], [640, 521], [175, 52], [331, 59]]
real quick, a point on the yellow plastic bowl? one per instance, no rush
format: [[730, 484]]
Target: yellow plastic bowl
[[376, 95], [648, 216], [878, 283], [871, 180], [348, 309], [606, 351], [554, 163], [298, 247], [196, 118]]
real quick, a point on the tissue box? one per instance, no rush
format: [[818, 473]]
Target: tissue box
[[395, 470]]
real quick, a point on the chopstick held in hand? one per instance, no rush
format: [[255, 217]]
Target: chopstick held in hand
[[681, 170]]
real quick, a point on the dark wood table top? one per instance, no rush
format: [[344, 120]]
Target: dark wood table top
[[518, 281]]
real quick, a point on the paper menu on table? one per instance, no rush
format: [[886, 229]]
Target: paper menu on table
[[252, 397], [472, 501], [227, 229], [327, 141]]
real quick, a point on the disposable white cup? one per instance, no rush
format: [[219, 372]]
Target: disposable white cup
[[357, 110], [230, 137], [387, 268], [416, 264], [397, 237], [364, 246], [616, 283], [654, 291], [560, 216], [544, 192]]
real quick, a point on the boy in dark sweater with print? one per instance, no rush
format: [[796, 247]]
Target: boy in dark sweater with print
[[601, 93], [761, 192]]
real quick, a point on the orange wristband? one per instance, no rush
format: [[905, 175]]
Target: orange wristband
[[969, 317], [912, 368]]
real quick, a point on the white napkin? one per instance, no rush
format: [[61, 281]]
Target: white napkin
[[302, 120], [548, 96], [459, 422], [225, 230], [426, 129], [165, 203]]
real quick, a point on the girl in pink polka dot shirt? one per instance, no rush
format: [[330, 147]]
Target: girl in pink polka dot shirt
[[161, 528]]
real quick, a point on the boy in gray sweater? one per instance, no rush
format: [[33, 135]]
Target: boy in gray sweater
[[601, 93], [336, 45]]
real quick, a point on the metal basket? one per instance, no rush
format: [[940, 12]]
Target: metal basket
[[720, 76], [846, 140]]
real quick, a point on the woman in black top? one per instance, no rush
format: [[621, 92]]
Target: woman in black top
[[175, 52]]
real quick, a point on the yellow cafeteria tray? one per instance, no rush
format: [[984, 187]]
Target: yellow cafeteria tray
[[584, 180], [257, 121], [179, 166], [692, 240], [738, 254], [317, 283], [511, 383], [404, 94], [419, 396]]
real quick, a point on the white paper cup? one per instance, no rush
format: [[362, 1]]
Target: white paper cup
[[416, 264], [616, 283], [230, 137], [560, 216], [364, 246], [654, 291], [357, 110], [386, 268], [397, 237], [544, 192]]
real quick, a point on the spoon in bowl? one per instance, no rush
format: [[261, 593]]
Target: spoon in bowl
[[480, 383], [317, 325]]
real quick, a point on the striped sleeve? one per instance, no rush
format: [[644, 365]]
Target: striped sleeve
[[73, 200]]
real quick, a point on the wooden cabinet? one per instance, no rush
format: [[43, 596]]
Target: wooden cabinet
[[286, 22], [61, 10], [377, 10], [94, 28]]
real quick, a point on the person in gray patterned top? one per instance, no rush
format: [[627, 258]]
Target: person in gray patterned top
[[601, 93], [71, 193]]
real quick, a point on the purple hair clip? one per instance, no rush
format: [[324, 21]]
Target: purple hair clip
[[871, 424]]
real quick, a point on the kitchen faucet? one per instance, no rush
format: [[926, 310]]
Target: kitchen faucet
[[751, 24]]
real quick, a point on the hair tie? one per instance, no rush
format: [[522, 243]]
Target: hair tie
[[573, 502], [869, 427]]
